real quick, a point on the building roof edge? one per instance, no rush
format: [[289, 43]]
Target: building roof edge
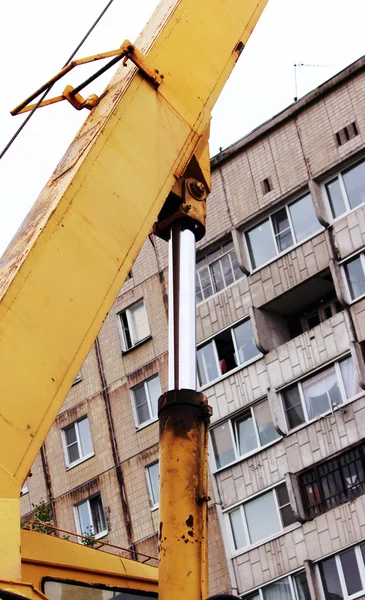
[[287, 113]]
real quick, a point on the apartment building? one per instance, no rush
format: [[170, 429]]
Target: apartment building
[[281, 345]]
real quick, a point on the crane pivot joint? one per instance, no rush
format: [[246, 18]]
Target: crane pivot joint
[[186, 204]]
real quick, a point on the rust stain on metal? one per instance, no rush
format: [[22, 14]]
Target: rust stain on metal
[[190, 521]]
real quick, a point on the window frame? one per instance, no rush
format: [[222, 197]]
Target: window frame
[[154, 504], [240, 505], [208, 266], [292, 584], [70, 465], [299, 383], [127, 312], [360, 565], [232, 423], [96, 536], [152, 419], [339, 176], [269, 218], [360, 255], [211, 340]]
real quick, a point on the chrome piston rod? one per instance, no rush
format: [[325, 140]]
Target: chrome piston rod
[[182, 319]]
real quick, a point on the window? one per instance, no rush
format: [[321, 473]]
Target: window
[[90, 518], [319, 314], [216, 271], [242, 436], [320, 393], [77, 378], [355, 275], [347, 190], [134, 325], [261, 518], [146, 397], [346, 134], [333, 482], [226, 351], [343, 575], [287, 227], [56, 590], [293, 587], [24, 489], [153, 474], [77, 442]]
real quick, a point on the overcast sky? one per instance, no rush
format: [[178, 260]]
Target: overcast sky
[[37, 37]]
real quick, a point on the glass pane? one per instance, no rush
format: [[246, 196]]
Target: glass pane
[[265, 426], [138, 322], [97, 514], [153, 474], [349, 377], [251, 597], [70, 434], [246, 436], [227, 270], [236, 268], [282, 494], [56, 590], [262, 517], [304, 218], [293, 407], [354, 181], [222, 444], [217, 276], [301, 584], [355, 277], [154, 390], [286, 513], [84, 518], [140, 400], [205, 282], [330, 580], [287, 516], [246, 346], [261, 244], [73, 452], [335, 196], [207, 364], [238, 531], [284, 238], [351, 571], [279, 590], [198, 292], [85, 437], [321, 392]]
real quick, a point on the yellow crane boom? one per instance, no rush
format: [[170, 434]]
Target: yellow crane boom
[[66, 264]]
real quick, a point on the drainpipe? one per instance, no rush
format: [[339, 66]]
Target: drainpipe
[[113, 441]]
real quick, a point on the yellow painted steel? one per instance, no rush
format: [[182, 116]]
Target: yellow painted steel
[[46, 556], [183, 544], [65, 266]]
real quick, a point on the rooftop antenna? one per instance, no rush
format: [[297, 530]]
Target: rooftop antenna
[[296, 65]]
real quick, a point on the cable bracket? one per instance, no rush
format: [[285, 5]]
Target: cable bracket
[[127, 51]]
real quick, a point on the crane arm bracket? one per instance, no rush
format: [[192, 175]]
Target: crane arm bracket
[[127, 51]]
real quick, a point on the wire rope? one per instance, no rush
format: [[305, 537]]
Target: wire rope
[[46, 92]]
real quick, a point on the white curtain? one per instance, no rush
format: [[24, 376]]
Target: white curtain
[[280, 590]]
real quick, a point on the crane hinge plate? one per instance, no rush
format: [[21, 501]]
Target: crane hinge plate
[[127, 51]]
